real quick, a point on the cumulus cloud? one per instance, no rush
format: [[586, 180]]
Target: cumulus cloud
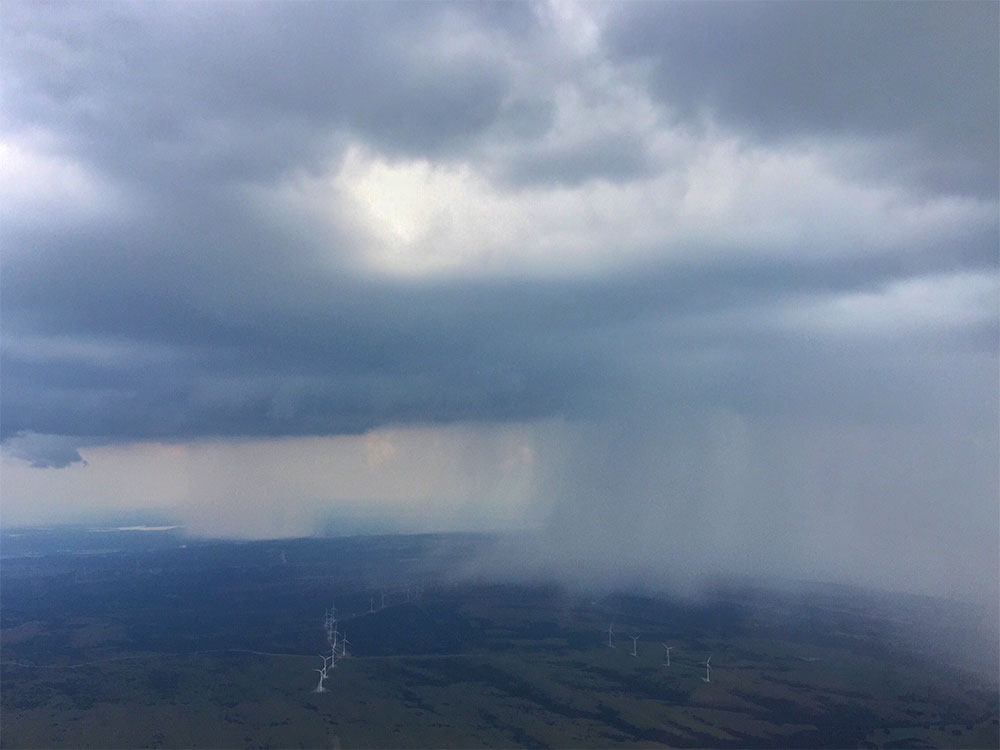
[[44, 451]]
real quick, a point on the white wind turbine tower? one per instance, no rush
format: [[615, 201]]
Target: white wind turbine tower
[[343, 646], [708, 670], [330, 623], [322, 676], [635, 640], [330, 626], [611, 635], [666, 649]]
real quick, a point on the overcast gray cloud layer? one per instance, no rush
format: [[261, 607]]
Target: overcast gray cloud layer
[[292, 219], [919, 72]]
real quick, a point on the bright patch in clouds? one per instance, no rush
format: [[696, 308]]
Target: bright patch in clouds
[[923, 305], [724, 199], [38, 182]]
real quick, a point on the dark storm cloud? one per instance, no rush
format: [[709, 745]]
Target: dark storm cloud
[[329, 355], [46, 451], [194, 313], [923, 72], [160, 93]]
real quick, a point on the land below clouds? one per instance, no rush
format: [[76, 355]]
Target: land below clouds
[[146, 637]]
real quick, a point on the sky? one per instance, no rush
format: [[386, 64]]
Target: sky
[[690, 288]]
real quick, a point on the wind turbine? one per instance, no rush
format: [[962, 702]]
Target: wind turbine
[[343, 646], [327, 661], [322, 676], [635, 640], [371, 606], [667, 648], [330, 626], [611, 635], [708, 669]]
